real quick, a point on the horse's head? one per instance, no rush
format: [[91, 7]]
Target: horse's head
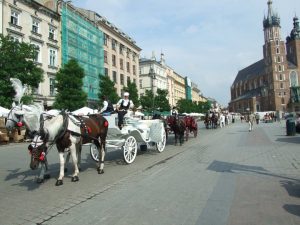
[[15, 118], [37, 150]]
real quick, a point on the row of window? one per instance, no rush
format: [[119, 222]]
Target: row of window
[[36, 24], [122, 48], [122, 77], [52, 55], [121, 63]]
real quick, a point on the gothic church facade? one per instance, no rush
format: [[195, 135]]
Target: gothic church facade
[[265, 85]]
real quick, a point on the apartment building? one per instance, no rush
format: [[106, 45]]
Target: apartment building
[[121, 53], [32, 22], [153, 75]]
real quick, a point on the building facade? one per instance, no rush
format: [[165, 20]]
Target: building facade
[[83, 41], [121, 53], [265, 85], [153, 76], [156, 74], [32, 22]]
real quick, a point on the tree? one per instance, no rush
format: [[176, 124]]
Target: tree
[[107, 88], [133, 91], [185, 105], [69, 81], [147, 100], [17, 61], [160, 101]]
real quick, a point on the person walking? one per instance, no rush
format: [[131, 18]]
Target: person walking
[[251, 119], [123, 106], [257, 117]]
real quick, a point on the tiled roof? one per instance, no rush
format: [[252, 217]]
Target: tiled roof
[[252, 71]]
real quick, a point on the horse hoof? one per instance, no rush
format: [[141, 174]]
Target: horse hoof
[[39, 180], [66, 170], [75, 179], [47, 176], [100, 171], [59, 183]]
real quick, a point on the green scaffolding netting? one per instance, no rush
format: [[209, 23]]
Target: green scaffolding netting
[[83, 41]]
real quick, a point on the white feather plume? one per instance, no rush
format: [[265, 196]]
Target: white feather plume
[[19, 89]]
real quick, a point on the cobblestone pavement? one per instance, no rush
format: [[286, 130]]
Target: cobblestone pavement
[[224, 176]]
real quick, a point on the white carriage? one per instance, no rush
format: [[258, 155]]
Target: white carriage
[[135, 133]]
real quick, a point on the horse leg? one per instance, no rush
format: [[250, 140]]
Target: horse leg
[[75, 177], [175, 133], [61, 170], [78, 151], [40, 178], [101, 149], [67, 161], [181, 138], [187, 131]]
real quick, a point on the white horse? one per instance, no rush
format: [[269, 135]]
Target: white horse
[[68, 133], [54, 130], [29, 116]]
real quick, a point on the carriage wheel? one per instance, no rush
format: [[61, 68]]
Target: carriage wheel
[[130, 149], [160, 146], [94, 152]]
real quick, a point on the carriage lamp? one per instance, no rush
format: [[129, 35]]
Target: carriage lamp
[[19, 124]]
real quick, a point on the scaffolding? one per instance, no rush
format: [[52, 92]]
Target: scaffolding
[[83, 41]]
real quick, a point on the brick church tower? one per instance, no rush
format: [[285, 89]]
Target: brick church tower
[[272, 83], [276, 80]]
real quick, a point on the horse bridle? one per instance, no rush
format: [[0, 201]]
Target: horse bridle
[[11, 119]]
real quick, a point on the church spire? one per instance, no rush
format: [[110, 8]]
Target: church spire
[[272, 18]]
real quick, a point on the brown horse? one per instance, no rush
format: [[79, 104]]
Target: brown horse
[[191, 125], [68, 132], [177, 125]]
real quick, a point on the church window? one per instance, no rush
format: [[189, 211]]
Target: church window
[[279, 68], [282, 101], [278, 59], [277, 50], [277, 42]]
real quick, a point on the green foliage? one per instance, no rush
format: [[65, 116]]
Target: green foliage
[[27, 99], [158, 102], [107, 88], [133, 91], [161, 102], [69, 82], [17, 61], [147, 100], [188, 106]]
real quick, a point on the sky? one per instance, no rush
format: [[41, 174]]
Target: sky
[[208, 41]]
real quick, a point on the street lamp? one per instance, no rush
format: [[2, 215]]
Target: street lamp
[[152, 76]]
